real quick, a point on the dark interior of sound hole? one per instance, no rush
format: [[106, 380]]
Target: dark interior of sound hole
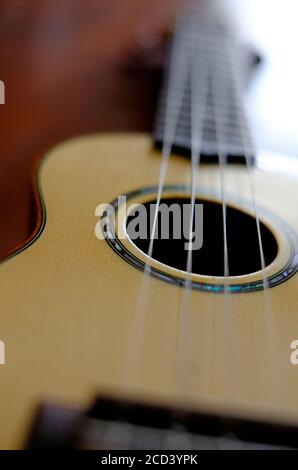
[[242, 240]]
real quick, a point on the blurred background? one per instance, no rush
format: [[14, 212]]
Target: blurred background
[[76, 66]]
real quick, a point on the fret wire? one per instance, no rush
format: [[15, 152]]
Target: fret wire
[[223, 102], [210, 135], [229, 128], [209, 147], [202, 73], [230, 122], [184, 116]]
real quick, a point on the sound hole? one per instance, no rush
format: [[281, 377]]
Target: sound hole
[[242, 240]]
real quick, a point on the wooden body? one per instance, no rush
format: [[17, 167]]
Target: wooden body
[[68, 301], [70, 71]]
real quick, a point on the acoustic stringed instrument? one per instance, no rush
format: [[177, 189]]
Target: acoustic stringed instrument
[[144, 320]]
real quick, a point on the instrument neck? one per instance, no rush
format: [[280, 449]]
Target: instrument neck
[[203, 53]]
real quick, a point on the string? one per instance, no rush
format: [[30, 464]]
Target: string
[[179, 67], [219, 92], [271, 336], [198, 112]]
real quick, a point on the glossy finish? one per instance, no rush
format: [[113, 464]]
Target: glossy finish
[[70, 303], [70, 67]]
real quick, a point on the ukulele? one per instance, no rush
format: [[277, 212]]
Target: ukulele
[[89, 309]]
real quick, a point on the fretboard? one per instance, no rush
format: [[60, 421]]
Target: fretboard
[[217, 57]]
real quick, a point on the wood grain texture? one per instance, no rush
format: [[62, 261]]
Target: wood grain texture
[[64, 64], [68, 302]]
